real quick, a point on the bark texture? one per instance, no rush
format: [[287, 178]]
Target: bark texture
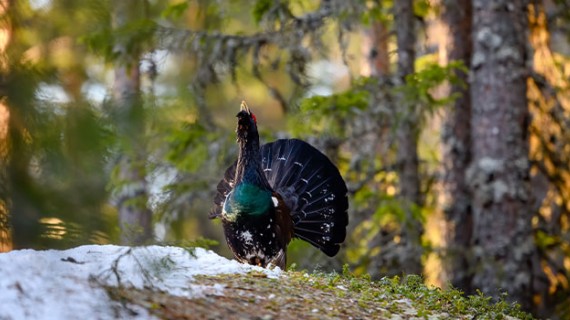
[[456, 137], [379, 57], [503, 242], [134, 216], [5, 229], [407, 137], [19, 212]]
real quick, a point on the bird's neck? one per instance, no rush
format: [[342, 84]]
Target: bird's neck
[[251, 196], [249, 163]]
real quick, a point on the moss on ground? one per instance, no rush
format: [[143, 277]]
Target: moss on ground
[[300, 295]]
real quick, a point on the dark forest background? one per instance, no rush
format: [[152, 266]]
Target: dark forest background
[[449, 120]]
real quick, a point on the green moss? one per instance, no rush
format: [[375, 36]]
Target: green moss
[[297, 294], [420, 299]]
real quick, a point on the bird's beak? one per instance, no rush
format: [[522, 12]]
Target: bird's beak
[[244, 107]]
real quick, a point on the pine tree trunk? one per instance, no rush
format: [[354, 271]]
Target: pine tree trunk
[[407, 137], [134, 215], [504, 247], [457, 146], [379, 56], [19, 205], [5, 229]]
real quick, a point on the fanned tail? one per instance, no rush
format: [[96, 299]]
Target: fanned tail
[[312, 187], [224, 187]]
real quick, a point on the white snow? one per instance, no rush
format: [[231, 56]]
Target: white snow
[[66, 284]]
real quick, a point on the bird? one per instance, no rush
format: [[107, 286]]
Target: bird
[[276, 192]]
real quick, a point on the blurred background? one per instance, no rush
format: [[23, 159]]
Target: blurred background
[[449, 121]]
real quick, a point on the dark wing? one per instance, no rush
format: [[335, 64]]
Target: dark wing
[[283, 229]]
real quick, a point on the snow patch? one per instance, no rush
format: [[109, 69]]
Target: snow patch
[[55, 284]]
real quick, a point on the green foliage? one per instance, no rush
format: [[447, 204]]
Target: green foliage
[[419, 86], [422, 8], [134, 37], [130, 39], [175, 10], [329, 115], [378, 12], [99, 39], [188, 147], [58, 191], [260, 8]]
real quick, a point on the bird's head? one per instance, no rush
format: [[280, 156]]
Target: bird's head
[[247, 123]]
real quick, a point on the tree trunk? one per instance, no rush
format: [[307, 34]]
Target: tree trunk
[[379, 56], [134, 215], [5, 229], [549, 155], [456, 138], [504, 246], [407, 137]]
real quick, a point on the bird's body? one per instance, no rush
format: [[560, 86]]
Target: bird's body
[[276, 192]]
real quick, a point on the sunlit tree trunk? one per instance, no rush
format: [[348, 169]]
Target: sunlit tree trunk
[[130, 179], [407, 137], [367, 139], [20, 195], [379, 59], [504, 247], [456, 137], [5, 229], [549, 142]]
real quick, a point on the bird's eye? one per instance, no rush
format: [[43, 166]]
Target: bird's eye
[[254, 118]]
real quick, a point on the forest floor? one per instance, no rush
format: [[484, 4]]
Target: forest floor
[[165, 282], [299, 295]]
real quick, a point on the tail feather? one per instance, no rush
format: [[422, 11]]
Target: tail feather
[[312, 187], [330, 251], [224, 187]]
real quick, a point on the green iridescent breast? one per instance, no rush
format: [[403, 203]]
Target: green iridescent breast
[[246, 199]]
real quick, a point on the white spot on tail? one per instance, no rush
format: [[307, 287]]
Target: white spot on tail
[[275, 201]]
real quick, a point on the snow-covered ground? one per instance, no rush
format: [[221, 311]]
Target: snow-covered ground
[[66, 284]]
